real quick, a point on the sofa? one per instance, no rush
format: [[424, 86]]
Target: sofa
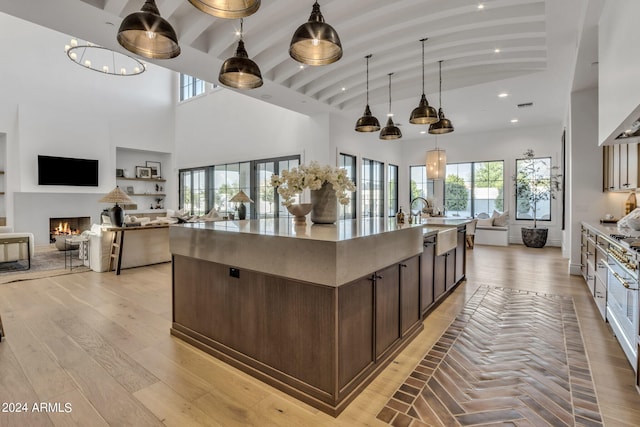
[[141, 247], [15, 251], [492, 230]]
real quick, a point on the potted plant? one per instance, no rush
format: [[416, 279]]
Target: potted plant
[[535, 181]]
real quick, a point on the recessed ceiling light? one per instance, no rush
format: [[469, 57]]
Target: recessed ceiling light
[[422, 132], [481, 6], [503, 95], [496, 51], [344, 88], [265, 96], [514, 120], [301, 67]]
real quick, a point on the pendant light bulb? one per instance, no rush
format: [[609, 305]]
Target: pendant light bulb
[[423, 114], [240, 72], [444, 125], [315, 42], [390, 131], [368, 122], [229, 9], [148, 34]]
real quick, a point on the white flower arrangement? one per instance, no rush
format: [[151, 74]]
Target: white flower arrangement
[[312, 176]]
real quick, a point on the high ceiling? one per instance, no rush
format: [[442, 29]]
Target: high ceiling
[[537, 42]]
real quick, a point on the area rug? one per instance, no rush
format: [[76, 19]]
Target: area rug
[[510, 358], [47, 261]]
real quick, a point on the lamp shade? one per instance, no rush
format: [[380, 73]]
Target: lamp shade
[[230, 9], [390, 131], [241, 197], [240, 72], [147, 34], [116, 196], [443, 126], [436, 164], [368, 122], [315, 42]]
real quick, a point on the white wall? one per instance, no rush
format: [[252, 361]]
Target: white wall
[[505, 145], [619, 66], [52, 106]]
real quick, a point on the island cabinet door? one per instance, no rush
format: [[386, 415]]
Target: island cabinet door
[[439, 275], [461, 254], [450, 280], [409, 293], [387, 306], [426, 273]]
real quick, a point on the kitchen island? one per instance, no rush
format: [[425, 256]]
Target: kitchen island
[[316, 311]]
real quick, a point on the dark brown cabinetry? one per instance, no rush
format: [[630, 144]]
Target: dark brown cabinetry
[[427, 274], [461, 254], [387, 291], [409, 294]]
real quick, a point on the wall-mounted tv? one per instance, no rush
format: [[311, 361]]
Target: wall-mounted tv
[[67, 171]]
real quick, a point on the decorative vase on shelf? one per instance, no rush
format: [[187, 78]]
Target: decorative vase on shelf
[[299, 211], [324, 205]]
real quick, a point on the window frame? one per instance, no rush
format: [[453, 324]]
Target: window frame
[[549, 166], [472, 186]]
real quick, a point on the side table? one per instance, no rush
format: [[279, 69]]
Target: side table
[[69, 244]]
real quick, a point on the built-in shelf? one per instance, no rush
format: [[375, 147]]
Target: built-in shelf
[[148, 194], [142, 179]]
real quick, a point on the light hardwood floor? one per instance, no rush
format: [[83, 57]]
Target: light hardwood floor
[[100, 343]]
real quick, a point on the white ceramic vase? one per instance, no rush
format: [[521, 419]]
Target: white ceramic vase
[[324, 205]]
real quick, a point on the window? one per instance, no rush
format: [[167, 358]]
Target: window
[[533, 184], [473, 188], [392, 185], [372, 188], [192, 86], [348, 162], [212, 187], [419, 184]]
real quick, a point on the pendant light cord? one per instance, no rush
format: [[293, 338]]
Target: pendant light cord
[[423, 40], [241, 27], [440, 62], [390, 74], [368, 56]]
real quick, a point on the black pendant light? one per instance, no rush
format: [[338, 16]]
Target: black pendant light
[[315, 42], [148, 34], [390, 131], [444, 125], [240, 72], [229, 9], [367, 123], [423, 114]]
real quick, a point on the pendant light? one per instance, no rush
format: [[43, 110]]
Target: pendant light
[[444, 125], [436, 163], [367, 123], [240, 72], [148, 34], [315, 42], [390, 131], [423, 114], [229, 9]]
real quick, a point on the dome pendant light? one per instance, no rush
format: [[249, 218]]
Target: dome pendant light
[[240, 72], [390, 131], [315, 42], [229, 9], [444, 125], [148, 34], [423, 114], [367, 123]]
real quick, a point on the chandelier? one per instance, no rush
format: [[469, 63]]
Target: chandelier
[[103, 60]]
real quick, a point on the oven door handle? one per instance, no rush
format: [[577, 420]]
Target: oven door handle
[[620, 278]]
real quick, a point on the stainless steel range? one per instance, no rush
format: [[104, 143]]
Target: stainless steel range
[[622, 298]]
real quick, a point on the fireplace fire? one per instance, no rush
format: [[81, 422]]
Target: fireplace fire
[[67, 226]]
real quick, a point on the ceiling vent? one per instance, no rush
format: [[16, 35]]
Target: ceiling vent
[[525, 105]]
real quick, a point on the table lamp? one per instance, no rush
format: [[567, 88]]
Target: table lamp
[[116, 213], [241, 198]]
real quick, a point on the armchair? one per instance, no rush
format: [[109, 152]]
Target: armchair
[[16, 246]]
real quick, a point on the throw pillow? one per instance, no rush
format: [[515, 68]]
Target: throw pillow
[[483, 215], [501, 219], [488, 222]]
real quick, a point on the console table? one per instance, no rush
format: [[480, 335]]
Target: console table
[[117, 245]]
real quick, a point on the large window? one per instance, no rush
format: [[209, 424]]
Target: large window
[[392, 185], [533, 198], [212, 187], [348, 163], [420, 186], [473, 188], [191, 86], [372, 188]]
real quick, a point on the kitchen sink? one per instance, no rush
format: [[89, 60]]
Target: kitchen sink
[[447, 239]]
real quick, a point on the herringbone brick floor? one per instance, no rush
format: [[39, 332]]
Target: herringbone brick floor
[[511, 358]]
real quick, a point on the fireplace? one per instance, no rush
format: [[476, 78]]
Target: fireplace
[[67, 226]]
